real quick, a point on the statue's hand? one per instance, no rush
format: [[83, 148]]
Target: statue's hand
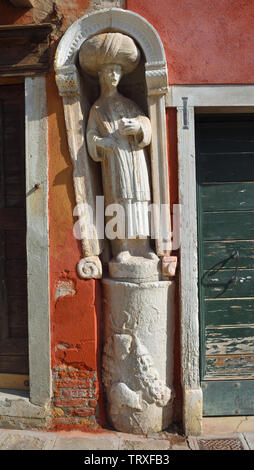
[[129, 127]]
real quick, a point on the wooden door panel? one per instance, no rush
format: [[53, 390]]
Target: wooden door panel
[[226, 312], [219, 254], [235, 397], [228, 225], [225, 168], [221, 284], [230, 340], [13, 270], [234, 366], [225, 195]]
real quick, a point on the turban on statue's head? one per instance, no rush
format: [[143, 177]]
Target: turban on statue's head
[[108, 48]]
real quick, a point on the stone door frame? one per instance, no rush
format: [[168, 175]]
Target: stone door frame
[[22, 406], [187, 100]]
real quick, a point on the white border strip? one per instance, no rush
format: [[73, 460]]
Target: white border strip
[[211, 95], [37, 240]]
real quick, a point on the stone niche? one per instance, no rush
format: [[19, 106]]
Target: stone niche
[[111, 72]]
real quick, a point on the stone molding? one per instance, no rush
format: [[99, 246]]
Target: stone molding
[[69, 85]]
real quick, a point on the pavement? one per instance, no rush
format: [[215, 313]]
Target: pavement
[[11, 439]]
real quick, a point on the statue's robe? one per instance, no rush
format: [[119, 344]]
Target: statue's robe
[[125, 173]]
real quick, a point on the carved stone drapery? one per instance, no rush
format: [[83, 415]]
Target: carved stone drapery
[[70, 88]]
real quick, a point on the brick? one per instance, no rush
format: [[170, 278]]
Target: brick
[[64, 420], [76, 393], [58, 412], [85, 426], [74, 384], [83, 413], [82, 374], [93, 403], [70, 403], [62, 375]]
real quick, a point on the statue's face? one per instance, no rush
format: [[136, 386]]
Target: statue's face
[[110, 75]]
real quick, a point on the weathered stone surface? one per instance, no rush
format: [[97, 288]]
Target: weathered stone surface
[[19, 442], [136, 269], [138, 354], [100, 442], [141, 444]]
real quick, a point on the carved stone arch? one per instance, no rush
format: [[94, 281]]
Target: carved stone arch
[[70, 88], [124, 21]]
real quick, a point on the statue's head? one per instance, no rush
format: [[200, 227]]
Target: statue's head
[[109, 54], [110, 75]]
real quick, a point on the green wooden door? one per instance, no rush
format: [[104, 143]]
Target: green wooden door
[[225, 198]]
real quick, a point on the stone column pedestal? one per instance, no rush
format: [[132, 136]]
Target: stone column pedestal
[[138, 354]]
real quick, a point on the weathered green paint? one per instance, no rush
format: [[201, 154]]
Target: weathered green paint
[[229, 366], [231, 340], [228, 225], [227, 398], [226, 312], [225, 168], [221, 283], [225, 195], [219, 253]]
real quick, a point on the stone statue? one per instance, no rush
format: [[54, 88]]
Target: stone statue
[[138, 298], [117, 134]]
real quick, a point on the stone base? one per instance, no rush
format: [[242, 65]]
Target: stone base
[[137, 269], [138, 354], [192, 411]]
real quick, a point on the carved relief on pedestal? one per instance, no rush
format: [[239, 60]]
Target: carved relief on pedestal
[[137, 341], [122, 354]]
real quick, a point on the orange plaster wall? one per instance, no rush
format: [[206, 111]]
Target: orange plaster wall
[[206, 41], [74, 316]]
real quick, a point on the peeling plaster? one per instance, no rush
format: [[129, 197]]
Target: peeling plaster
[[64, 288]]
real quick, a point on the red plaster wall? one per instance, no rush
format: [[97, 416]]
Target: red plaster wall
[[206, 41]]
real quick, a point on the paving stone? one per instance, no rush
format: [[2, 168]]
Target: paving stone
[[144, 444], [21, 442], [87, 443]]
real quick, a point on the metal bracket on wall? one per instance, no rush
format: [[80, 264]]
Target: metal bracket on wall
[[185, 113]]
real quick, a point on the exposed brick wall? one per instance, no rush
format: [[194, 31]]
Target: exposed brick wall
[[75, 401]]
